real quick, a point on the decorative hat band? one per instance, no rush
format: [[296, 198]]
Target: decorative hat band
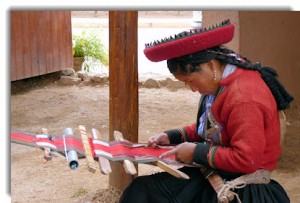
[[188, 42]]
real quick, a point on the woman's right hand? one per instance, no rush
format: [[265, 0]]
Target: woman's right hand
[[158, 139]]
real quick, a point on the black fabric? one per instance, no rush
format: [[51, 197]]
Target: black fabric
[[165, 188], [174, 136], [200, 154]]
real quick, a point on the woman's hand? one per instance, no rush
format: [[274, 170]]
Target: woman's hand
[[159, 139], [183, 152]]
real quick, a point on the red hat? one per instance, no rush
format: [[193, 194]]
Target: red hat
[[188, 42]]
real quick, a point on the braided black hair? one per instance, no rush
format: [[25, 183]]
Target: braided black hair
[[190, 63]]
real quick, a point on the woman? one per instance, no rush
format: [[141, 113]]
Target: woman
[[237, 130]]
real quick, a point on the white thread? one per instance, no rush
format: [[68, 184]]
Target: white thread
[[46, 144], [41, 136], [65, 147]]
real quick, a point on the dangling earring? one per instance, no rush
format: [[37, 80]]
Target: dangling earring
[[215, 74]]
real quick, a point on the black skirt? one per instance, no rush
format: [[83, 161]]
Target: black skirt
[[164, 188]]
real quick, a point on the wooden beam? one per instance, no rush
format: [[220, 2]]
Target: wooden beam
[[123, 85]]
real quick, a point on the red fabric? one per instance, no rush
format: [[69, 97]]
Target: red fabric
[[247, 111], [190, 44], [30, 139], [116, 149], [121, 150], [192, 133]]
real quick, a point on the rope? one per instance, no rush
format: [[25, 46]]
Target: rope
[[260, 176], [228, 188]]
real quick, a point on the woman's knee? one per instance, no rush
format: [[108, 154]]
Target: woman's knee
[[136, 191]]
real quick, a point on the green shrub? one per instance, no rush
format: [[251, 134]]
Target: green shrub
[[89, 44]]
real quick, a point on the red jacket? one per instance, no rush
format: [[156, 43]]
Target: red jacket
[[246, 116]]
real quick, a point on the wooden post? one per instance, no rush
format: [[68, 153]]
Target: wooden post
[[123, 85]]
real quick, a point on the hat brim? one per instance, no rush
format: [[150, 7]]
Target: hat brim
[[190, 44]]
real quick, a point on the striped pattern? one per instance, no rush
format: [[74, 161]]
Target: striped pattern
[[210, 156]]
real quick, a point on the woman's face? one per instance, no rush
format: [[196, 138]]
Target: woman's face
[[201, 81]]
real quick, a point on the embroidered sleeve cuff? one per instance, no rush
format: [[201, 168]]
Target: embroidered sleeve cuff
[[211, 156], [175, 136], [200, 154]]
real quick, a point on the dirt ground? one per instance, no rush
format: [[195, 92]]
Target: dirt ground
[[55, 107]]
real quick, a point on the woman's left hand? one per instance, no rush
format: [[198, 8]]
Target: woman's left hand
[[183, 152]]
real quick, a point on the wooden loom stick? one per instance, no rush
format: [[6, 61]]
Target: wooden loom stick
[[127, 164], [216, 182], [104, 164], [47, 151], [87, 149], [172, 171]]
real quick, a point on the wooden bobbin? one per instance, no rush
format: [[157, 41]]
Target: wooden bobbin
[[216, 182]]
